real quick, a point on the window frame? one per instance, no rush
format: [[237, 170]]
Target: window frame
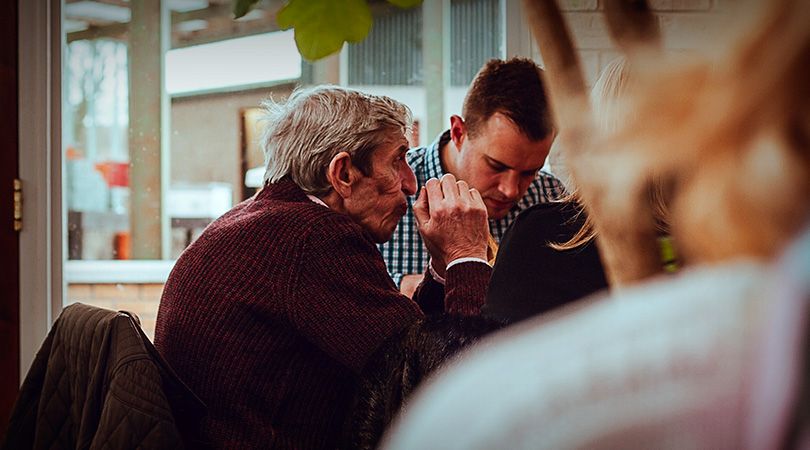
[[42, 247], [44, 269]]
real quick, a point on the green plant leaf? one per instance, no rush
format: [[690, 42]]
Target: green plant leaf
[[242, 7], [405, 3], [322, 26]]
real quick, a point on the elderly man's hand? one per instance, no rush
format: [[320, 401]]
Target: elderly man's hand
[[452, 219]]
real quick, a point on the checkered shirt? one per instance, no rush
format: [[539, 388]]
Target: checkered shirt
[[406, 254]]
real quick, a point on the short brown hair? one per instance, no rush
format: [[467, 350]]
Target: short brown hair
[[513, 88]]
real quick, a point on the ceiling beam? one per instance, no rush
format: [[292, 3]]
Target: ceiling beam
[[215, 12], [116, 31], [220, 33], [202, 14], [92, 22], [120, 3], [222, 27]]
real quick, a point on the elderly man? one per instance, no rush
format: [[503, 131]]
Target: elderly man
[[272, 313], [498, 148]]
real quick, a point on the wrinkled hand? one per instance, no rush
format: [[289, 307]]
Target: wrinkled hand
[[452, 219]]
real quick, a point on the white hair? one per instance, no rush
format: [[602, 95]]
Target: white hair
[[303, 133]]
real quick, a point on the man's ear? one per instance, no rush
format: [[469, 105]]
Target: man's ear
[[341, 174], [458, 130]]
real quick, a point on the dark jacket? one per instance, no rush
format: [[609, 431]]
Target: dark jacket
[[97, 382]]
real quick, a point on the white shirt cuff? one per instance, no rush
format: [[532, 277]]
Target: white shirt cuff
[[439, 278]]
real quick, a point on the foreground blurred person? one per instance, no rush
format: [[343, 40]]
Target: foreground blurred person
[[716, 356], [271, 315]]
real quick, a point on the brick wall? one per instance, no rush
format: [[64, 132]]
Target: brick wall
[[685, 24], [141, 299]]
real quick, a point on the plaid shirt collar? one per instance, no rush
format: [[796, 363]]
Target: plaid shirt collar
[[433, 162]]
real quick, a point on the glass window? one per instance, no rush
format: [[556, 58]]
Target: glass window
[[215, 72], [233, 62], [96, 125]]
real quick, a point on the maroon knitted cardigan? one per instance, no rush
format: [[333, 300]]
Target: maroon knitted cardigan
[[270, 315]]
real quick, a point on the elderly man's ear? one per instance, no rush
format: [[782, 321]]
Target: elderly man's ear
[[342, 174]]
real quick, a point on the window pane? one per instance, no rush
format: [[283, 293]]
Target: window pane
[[216, 73], [391, 54], [476, 37], [95, 124], [210, 86], [233, 62]]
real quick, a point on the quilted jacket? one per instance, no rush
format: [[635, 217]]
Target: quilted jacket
[[98, 383]]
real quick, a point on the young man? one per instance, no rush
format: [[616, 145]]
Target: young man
[[272, 313], [497, 147]]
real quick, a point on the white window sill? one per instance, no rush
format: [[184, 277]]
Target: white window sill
[[128, 272]]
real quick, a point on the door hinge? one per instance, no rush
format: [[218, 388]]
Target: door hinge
[[17, 204]]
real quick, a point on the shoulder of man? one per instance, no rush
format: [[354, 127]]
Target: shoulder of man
[[331, 229]]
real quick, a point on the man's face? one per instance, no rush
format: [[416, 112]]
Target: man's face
[[499, 161], [378, 200]]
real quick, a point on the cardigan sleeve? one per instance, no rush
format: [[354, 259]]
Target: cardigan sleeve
[[466, 287], [464, 291]]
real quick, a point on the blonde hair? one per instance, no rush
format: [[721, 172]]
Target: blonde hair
[[610, 107], [729, 133], [608, 95]]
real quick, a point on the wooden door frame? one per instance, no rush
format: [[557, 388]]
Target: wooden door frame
[[41, 246], [9, 239]]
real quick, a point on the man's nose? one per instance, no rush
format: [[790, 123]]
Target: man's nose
[[408, 180], [509, 185]]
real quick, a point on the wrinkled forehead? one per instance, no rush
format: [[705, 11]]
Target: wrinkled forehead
[[393, 144], [392, 136]]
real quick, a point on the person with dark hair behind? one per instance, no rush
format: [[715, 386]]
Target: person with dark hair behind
[[530, 276]]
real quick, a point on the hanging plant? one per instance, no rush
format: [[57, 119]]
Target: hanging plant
[[323, 26]]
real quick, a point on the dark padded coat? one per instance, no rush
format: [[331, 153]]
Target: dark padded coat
[[98, 383]]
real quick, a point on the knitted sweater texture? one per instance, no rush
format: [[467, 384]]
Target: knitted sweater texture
[[270, 315]]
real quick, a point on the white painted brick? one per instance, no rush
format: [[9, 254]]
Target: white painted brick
[[679, 30], [578, 5], [589, 30], [606, 56], [590, 65], [682, 30], [680, 5]]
